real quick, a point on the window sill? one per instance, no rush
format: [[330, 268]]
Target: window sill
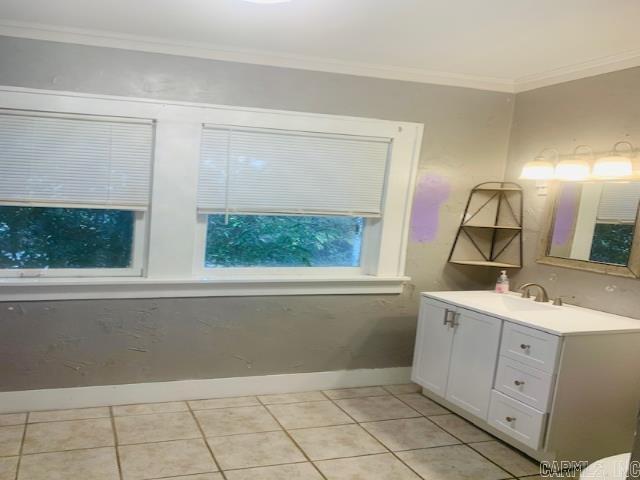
[[31, 289]]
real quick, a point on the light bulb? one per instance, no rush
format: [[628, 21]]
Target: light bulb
[[572, 170], [537, 170], [614, 166]]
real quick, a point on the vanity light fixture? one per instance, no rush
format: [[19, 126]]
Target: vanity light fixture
[[575, 169], [540, 168], [614, 165], [617, 164]]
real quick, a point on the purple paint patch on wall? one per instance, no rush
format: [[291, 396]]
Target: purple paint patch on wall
[[566, 213], [431, 193]]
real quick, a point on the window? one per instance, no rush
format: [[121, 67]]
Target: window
[[106, 197], [73, 192], [53, 238], [283, 241], [283, 198]]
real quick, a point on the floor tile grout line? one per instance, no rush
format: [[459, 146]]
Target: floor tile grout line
[[21, 448], [387, 449], [172, 477], [301, 462], [110, 446], [68, 420], [206, 442], [410, 406], [292, 439], [392, 453], [466, 444], [325, 395], [69, 450], [418, 414], [460, 444], [235, 434], [385, 394], [418, 448], [335, 402], [147, 414], [115, 441], [495, 463], [442, 428], [493, 439], [30, 454]]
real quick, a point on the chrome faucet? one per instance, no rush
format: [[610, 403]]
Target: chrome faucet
[[542, 295]]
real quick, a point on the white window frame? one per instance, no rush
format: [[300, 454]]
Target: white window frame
[[173, 246]]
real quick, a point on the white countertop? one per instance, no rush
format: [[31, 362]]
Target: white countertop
[[564, 320]]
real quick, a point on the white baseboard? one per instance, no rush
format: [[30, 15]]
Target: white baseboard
[[79, 397]]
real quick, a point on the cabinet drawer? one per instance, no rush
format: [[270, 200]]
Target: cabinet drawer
[[519, 421], [529, 346], [529, 385]]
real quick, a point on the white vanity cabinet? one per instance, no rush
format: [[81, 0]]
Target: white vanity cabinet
[[559, 383]]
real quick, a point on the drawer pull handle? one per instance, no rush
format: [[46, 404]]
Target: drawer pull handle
[[510, 419], [518, 383], [524, 346]]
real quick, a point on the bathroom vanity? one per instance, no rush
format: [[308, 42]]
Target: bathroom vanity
[[560, 383]]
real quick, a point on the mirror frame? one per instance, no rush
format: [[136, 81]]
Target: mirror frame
[[631, 270]]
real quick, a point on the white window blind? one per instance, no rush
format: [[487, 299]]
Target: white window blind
[[288, 172], [53, 160], [619, 202]]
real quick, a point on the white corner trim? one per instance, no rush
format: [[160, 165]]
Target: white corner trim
[[596, 66], [100, 38], [105, 395]]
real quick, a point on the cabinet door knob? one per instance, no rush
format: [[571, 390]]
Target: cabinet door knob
[[518, 383], [510, 419], [524, 346]]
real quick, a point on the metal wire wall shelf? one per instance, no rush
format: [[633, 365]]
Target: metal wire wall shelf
[[490, 233]]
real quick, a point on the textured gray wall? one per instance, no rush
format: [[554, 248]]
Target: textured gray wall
[[597, 111], [74, 343]]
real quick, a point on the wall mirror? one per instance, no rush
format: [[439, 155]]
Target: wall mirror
[[593, 226]]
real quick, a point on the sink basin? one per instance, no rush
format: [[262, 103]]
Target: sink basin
[[517, 304]]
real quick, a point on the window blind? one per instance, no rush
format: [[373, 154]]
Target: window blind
[[619, 202], [75, 160], [288, 172]]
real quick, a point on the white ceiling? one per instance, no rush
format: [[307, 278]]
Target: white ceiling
[[506, 45]]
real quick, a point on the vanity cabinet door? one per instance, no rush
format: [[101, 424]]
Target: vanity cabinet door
[[433, 346], [474, 356]]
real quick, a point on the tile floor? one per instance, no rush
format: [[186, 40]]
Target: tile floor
[[372, 433]]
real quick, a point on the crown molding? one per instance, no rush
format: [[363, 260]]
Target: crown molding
[[215, 52], [576, 71], [525, 83]]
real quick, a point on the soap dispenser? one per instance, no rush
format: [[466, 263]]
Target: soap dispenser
[[502, 285]]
